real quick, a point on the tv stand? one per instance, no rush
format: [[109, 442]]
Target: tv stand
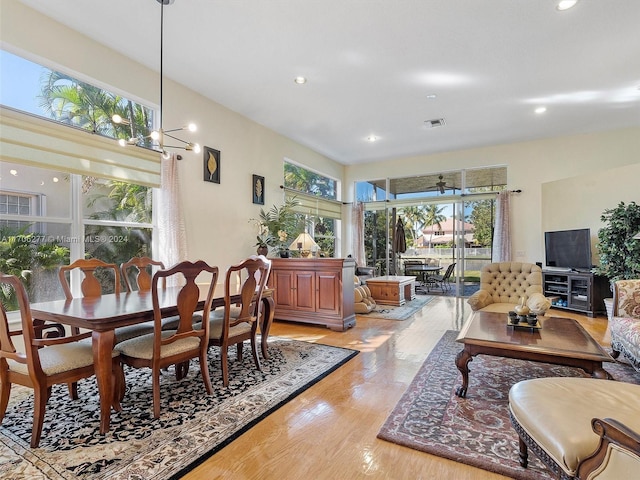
[[578, 291]]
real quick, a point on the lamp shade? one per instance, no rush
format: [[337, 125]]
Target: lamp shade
[[303, 242]]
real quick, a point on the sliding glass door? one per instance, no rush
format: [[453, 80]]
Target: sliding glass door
[[445, 219]]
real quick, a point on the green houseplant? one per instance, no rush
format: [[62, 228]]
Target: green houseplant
[[276, 225], [619, 252]]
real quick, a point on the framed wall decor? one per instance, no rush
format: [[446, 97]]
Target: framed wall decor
[[211, 165], [258, 189]]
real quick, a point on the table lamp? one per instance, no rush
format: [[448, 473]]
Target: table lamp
[[304, 244]]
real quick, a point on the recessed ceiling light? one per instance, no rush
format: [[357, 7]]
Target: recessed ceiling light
[[300, 80], [540, 110], [372, 138], [566, 4], [431, 96], [13, 172], [55, 180]]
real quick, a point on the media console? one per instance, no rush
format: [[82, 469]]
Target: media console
[[580, 292]]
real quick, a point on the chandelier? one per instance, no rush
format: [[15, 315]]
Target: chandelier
[[161, 134]]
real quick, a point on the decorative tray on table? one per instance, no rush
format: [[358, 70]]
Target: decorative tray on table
[[524, 322]]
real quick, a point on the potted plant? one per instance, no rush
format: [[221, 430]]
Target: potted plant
[[276, 225], [619, 252]]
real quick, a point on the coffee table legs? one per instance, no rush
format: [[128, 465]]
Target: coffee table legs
[[467, 353], [462, 360]]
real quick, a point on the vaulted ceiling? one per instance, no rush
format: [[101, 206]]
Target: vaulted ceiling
[[383, 67]]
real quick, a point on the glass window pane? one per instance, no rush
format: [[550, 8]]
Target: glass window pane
[[115, 200], [33, 191], [39, 255], [306, 181], [65, 99]]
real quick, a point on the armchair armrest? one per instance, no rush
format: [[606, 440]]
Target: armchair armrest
[[538, 303], [617, 453], [479, 299]]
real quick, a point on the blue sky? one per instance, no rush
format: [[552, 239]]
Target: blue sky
[[19, 83]]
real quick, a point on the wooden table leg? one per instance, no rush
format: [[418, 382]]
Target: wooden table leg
[[268, 312], [462, 360], [102, 343]]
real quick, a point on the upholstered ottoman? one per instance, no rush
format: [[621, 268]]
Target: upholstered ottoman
[[553, 417]]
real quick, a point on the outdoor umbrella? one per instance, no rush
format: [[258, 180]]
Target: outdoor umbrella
[[400, 241]]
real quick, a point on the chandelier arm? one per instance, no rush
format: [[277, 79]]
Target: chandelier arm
[[175, 138]]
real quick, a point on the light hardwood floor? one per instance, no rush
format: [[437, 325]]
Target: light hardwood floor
[[329, 431]]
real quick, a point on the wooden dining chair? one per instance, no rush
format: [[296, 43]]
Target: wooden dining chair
[[162, 348], [137, 273], [92, 287], [237, 322], [44, 362]]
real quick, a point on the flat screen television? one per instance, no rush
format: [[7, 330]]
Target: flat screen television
[[569, 249]]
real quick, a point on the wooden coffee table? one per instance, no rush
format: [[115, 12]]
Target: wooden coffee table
[[561, 341], [392, 289]]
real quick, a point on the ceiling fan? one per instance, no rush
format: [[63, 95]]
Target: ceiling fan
[[440, 185]]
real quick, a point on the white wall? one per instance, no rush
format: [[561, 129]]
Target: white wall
[[530, 166], [579, 201]]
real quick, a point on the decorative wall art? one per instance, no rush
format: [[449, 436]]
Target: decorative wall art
[[258, 190], [211, 165]]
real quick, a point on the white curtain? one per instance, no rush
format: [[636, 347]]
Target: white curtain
[[501, 251], [357, 216], [172, 238]]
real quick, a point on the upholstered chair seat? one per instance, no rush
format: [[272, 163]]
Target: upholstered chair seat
[[142, 347], [554, 418], [503, 284]]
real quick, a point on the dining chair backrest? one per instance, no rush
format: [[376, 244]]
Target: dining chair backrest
[[188, 298], [253, 273], [90, 286], [7, 349], [137, 273]]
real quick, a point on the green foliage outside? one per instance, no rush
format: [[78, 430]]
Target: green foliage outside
[[21, 254]]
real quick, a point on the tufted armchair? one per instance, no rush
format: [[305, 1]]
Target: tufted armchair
[[625, 322], [502, 284]]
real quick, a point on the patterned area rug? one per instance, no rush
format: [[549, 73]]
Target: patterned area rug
[[475, 430], [389, 312], [192, 426]]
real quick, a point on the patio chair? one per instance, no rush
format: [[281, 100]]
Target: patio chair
[[442, 281]]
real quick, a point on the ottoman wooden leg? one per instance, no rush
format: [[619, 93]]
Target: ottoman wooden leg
[[523, 454]]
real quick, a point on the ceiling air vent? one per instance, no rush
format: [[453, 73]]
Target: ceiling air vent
[[438, 122]]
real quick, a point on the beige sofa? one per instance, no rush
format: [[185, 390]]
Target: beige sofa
[[503, 284]]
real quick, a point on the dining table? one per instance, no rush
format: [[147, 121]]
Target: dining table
[[103, 314]]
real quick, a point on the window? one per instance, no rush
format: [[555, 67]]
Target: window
[[317, 205], [48, 93], [115, 224], [41, 226]]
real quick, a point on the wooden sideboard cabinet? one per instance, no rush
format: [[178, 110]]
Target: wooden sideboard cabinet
[[314, 290]]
